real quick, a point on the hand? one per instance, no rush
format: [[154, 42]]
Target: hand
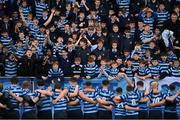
[[44, 78], [47, 32], [138, 108], [102, 68], [88, 77], [121, 74], [53, 10], [150, 105], [142, 78], [26, 104], [178, 92], [11, 93], [81, 24], [83, 1], [20, 10], [77, 87], [40, 91], [110, 78], [54, 101], [49, 88], [156, 78]]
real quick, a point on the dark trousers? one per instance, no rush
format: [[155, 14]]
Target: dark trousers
[[45, 114], [59, 114], [104, 114], [155, 114], [29, 115], [90, 115], [11, 114], [169, 115], [75, 114], [143, 114], [119, 117], [132, 117]]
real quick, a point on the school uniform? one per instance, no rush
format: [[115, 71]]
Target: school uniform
[[55, 74], [155, 70], [143, 72], [77, 70], [41, 38], [44, 106], [156, 112], [39, 6], [161, 16], [145, 37], [143, 113], [129, 71], [12, 110], [74, 112], [113, 72], [131, 99], [170, 107], [60, 107], [91, 70], [29, 112], [106, 95], [164, 68], [25, 11], [90, 110], [10, 68], [120, 111], [6, 41], [174, 71]]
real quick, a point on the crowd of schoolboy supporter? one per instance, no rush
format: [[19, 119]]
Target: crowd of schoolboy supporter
[[138, 40]]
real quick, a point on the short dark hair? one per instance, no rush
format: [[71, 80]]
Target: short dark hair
[[163, 54], [105, 82], [14, 80], [129, 88], [40, 82], [88, 83], [25, 84], [172, 87], [73, 79], [140, 83], [57, 85], [1, 87], [119, 90]]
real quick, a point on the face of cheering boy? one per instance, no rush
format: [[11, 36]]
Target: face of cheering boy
[[136, 57], [114, 45], [154, 62], [176, 63], [164, 58], [29, 53], [142, 65], [55, 66], [114, 65], [60, 40], [19, 44]]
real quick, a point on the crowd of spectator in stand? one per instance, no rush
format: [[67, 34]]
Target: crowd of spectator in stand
[[53, 39]]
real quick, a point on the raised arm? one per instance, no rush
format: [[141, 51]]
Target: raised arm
[[50, 17], [22, 16], [76, 44], [83, 1]]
